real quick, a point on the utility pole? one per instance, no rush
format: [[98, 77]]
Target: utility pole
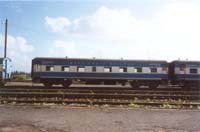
[[5, 48]]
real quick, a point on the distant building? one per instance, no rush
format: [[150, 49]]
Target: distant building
[[1, 68]]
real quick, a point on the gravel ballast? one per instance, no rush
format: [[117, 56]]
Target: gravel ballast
[[96, 119]]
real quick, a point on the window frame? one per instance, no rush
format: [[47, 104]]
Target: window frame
[[49, 68], [165, 69], [124, 69], [80, 67], [63, 68], [154, 70], [138, 69], [110, 69], [182, 67]]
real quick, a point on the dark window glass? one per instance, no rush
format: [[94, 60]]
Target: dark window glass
[[93, 69], [123, 69], [153, 70], [139, 69], [49, 68], [193, 70], [65, 68]]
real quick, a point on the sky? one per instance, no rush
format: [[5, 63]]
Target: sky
[[110, 29]]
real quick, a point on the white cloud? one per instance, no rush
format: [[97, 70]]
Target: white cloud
[[19, 44], [171, 33], [57, 24], [61, 48], [18, 50], [1, 40]]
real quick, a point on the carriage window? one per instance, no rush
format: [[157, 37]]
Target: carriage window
[[94, 69], [153, 70], [36, 67], [122, 69], [139, 69], [164, 68], [65, 68], [182, 67], [49, 68], [193, 70], [80, 69], [107, 69]]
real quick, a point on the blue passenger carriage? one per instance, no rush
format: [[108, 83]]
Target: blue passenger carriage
[[185, 73], [64, 71]]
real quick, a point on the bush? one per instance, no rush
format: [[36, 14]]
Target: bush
[[2, 83], [19, 77]]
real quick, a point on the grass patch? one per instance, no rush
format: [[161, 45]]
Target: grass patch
[[133, 105]]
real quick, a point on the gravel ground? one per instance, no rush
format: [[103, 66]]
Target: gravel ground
[[95, 119]]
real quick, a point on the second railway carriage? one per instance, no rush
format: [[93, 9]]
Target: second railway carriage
[[64, 71], [185, 73]]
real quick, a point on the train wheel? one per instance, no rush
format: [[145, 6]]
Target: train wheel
[[123, 83], [134, 85], [66, 84], [153, 86]]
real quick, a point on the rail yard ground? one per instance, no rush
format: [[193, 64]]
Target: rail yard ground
[[27, 107], [96, 119]]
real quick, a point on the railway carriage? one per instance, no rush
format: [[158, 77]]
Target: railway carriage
[[185, 73], [64, 71]]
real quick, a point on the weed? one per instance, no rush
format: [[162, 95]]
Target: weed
[[198, 107], [168, 106], [133, 105]]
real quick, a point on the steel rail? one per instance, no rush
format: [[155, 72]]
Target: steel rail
[[102, 91], [98, 95], [100, 87], [103, 102]]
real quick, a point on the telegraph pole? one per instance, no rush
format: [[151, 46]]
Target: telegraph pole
[[5, 48], [6, 30]]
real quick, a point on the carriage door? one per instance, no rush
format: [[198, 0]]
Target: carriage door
[[182, 70]]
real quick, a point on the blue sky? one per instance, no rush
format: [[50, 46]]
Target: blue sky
[[129, 29]]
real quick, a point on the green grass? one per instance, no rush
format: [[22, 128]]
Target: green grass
[[2, 83]]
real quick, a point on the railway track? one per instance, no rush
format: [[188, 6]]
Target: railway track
[[130, 103], [101, 96], [100, 91], [101, 87]]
